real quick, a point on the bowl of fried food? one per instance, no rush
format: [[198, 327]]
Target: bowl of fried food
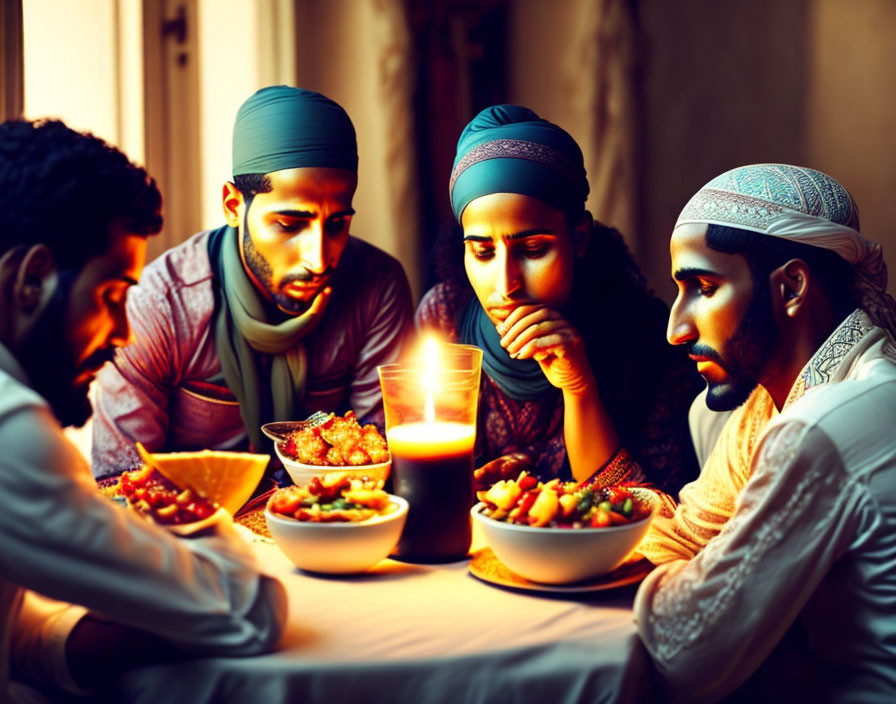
[[189, 491], [562, 532], [329, 444], [336, 524]]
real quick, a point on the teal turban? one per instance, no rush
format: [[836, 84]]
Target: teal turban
[[280, 127], [509, 149]]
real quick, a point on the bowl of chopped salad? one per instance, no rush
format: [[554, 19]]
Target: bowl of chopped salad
[[336, 524], [560, 532]]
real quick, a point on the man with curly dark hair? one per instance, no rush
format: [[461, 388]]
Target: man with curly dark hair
[[75, 215]]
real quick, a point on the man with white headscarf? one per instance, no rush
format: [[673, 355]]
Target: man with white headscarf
[[778, 568]]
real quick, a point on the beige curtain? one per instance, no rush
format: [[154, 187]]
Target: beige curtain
[[359, 53], [392, 114], [600, 67], [573, 62], [12, 70], [276, 42]]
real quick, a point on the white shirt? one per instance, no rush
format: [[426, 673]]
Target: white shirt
[[812, 538], [61, 539]]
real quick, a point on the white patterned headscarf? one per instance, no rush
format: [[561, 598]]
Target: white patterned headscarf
[[805, 206]]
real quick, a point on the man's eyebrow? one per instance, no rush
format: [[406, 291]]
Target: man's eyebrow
[[691, 272], [310, 214], [515, 236], [128, 280], [294, 213]]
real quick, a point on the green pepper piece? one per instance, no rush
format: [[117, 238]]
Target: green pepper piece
[[585, 499]]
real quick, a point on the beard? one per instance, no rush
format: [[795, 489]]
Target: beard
[[50, 363], [261, 269], [745, 355]]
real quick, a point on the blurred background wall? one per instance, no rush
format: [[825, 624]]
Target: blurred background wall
[[661, 94]]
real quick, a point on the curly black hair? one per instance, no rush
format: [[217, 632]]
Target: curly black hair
[[66, 189]]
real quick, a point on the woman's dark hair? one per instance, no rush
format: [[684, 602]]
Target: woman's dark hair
[[66, 189], [766, 253]]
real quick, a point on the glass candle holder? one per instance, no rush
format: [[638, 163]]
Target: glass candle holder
[[430, 409]]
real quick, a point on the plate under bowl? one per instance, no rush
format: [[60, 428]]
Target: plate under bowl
[[564, 555]]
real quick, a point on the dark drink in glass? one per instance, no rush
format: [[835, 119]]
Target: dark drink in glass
[[432, 467]]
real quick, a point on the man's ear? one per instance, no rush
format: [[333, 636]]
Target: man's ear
[[34, 277], [581, 234], [233, 201], [790, 286]]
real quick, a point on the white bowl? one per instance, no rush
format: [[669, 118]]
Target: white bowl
[[562, 555], [302, 473], [338, 548]]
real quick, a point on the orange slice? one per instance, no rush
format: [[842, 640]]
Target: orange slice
[[224, 478]]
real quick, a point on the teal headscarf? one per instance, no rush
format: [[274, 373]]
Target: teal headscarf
[[281, 127], [509, 149]]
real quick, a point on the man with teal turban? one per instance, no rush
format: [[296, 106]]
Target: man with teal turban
[[579, 381], [276, 315]]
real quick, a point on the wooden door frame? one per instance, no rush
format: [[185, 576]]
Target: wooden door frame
[[12, 60], [171, 108]]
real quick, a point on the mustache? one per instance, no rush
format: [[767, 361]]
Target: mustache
[[706, 352], [304, 276]]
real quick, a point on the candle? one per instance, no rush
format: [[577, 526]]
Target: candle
[[429, 440], [431, 430]]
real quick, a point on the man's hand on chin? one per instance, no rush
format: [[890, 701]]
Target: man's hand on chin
[[318, 304]]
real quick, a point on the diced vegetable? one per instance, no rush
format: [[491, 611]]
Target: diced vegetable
[[561, 504], [332, 498]]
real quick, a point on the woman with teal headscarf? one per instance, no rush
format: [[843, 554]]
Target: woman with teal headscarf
[[579, 379]]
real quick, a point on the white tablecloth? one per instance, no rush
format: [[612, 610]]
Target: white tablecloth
[[419, 634]]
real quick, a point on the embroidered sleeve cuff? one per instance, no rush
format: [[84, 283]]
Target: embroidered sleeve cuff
[[620, 468]]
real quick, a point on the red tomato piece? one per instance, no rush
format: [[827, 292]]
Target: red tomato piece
[[528, 482]]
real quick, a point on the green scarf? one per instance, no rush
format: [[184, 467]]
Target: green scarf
[[243, 334]]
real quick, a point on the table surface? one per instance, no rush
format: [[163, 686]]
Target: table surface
[[419, 633]]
